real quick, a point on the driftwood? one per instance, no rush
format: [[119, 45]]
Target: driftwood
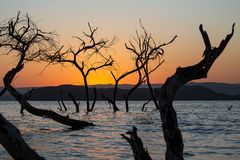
[[139, 152], [12, 141], [172, 133]]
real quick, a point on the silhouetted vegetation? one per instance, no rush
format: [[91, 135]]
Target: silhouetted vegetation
[[21, 37], [88, 57], [171, 132], [145, 50], [12, 141], [139, 152]]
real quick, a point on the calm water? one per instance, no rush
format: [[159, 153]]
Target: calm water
[[209, 130]]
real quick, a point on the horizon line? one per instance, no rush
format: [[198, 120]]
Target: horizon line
[[113, 84]]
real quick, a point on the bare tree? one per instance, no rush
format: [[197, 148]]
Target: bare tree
[[171, 131], [146, 52], [74, 102], [141, 80], [85, 57], [22, 37]]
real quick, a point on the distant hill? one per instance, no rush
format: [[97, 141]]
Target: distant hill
[[192, 91], [225, 88], [197, 92]]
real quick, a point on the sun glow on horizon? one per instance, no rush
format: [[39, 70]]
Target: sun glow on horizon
[[121, 19]]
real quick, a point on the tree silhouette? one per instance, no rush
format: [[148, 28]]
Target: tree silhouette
[[20, 36], [12, 141], [146, 52], [85, 57], [171, 131]]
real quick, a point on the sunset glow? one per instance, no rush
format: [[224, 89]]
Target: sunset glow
[[120, 19]]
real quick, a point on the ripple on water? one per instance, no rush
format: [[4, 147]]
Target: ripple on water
[[209, 131]]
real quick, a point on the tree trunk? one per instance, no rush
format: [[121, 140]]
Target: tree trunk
[[86, 92], [75, 124], [171, 132], [154, 98], [3, 91], [94, 98], [74, 101], [115, 108], [12, 141], [144, 105], [139, 152]]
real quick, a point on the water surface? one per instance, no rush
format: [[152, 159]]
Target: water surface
[[210, 131]]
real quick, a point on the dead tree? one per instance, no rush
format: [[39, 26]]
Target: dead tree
[[12, 141], [94, 97], [139, 152], [144, 109], [171, 131], [146, 51], [87, 58], [74, 102], [141, 80], [60, 106], [3, 91], [115, 89], [21, 36], [61, 102], [27, 96]]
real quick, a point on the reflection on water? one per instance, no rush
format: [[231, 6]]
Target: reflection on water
[[210, 131]]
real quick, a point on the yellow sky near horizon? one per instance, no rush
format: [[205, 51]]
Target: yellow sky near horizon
[[121, 19]]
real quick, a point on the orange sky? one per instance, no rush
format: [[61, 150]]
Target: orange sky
[[121, 19]]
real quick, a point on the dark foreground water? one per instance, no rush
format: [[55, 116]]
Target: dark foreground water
[[210, 131]]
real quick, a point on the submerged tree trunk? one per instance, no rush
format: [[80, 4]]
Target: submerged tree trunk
[[75, 124], [139, 152], [12, 141], [129, 94], [74, 102], [172, 133], [114, 97], [86, 92], [115, 108], [94, 98]]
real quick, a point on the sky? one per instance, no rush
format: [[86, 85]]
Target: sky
[[120, 19]]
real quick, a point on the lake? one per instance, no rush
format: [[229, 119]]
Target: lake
[[210, 131]]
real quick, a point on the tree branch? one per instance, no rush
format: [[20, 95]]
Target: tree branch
[[12, 141], [139, 152], [172, 133]]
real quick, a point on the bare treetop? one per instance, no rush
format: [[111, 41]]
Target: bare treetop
[[145, 47], [20, 34], [89, 55]]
